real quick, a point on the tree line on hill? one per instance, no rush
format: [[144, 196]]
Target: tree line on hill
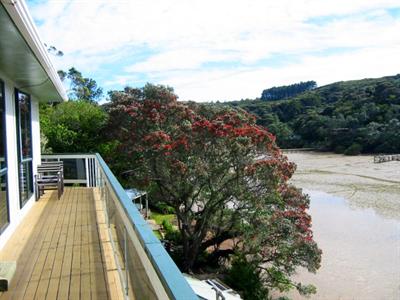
[[286, 91], [350, 117]]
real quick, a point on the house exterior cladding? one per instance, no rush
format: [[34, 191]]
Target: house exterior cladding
[[27, 78]]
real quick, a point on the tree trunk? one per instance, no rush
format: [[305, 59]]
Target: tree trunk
[[191, 247]]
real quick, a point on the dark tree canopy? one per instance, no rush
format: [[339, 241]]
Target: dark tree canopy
[[286, 91], [351, 117]]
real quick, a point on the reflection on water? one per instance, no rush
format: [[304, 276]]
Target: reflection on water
[[361, 251]]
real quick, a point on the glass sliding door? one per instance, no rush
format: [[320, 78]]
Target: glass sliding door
[[24, 136], [4, 213]]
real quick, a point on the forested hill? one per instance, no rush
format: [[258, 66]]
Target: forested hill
[[361, 116]]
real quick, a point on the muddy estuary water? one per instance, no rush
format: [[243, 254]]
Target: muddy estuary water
[[355, 207]]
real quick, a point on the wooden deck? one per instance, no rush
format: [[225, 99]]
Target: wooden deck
[[63, 251]]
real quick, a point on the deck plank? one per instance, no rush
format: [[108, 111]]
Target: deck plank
[[75, 284], [85, 262], [63, 290], [54, 282]]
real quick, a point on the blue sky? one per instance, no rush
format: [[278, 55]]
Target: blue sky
[[222, 49]]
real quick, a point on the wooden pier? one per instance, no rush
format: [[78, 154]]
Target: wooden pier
[[386, 158]]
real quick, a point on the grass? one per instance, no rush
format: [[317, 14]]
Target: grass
[[159, 218]]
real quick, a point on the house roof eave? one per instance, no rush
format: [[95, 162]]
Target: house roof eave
[[40, 77]]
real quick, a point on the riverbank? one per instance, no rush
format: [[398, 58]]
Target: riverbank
[[358, 179], [355, 210]]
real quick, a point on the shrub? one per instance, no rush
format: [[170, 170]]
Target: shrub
[[339, 149], [171, 234], [246, 278], [164, 208], [167, 226], [354, 149]]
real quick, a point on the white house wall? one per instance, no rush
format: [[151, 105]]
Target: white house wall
[[17, 214]]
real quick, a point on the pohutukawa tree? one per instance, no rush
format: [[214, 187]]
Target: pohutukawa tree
[[226, 180]]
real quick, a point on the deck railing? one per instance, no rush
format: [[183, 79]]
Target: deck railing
[[78, 168], [146, 269]]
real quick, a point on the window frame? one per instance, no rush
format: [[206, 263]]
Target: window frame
[[4, 171], [21, 159]]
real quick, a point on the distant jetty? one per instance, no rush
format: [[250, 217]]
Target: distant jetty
[[385, 158]]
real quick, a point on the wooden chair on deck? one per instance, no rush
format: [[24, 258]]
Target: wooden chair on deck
[[50, 175]]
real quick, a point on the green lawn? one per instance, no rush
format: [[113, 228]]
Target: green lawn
[[158, 217]]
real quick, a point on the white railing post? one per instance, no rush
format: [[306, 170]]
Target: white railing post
[[87, 171], [126, 262]]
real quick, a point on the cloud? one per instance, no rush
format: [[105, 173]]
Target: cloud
[[181, 59], [249, 83], [216, 49]]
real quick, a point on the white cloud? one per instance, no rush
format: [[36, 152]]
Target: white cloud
[[228, 85], [181, 59], [183, 36]]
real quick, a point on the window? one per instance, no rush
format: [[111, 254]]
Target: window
[[4, 213], [24, 135]]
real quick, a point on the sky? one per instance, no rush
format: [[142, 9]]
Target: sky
[[210, 50]]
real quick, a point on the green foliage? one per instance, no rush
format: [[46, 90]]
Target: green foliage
[[73, 126], [286, 91], [82, 88], [159, 218], [354, 149], [171, 234], [306, 289], [339, 149], [167, 226], [245, 277], [107, 148], [164, 208], [333, 117]]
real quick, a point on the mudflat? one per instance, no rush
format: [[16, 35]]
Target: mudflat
[[363, 183], [355, 210]]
